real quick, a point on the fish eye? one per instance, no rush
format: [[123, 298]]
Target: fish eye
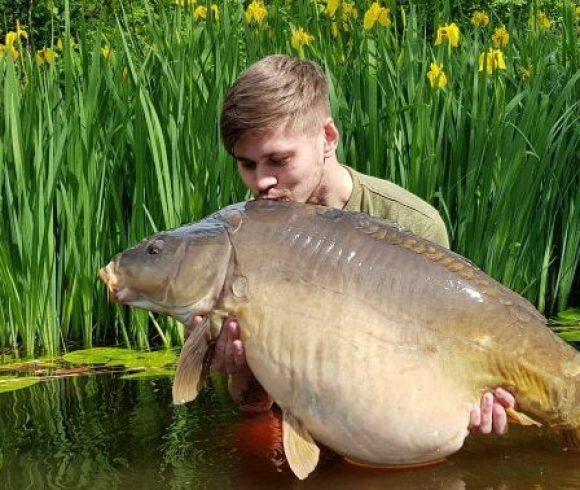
[[156, 247]]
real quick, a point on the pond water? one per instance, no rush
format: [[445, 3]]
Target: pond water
[[102, 431]]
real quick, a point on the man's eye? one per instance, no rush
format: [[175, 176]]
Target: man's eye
[[281, 162], [248, 165]]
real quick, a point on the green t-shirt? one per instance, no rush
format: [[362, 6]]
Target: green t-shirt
[[383, 199]]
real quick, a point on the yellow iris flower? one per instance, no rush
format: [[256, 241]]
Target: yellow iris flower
[[491, 61], [11, 49], [335, 30], [375, 14], [256, 12], [448, 32], [60, 44], [480, 19], [107, 52], [436, 75], [500, 37], [544, 21], [300, 38], [20, 32], [332, 7], [348, 11], [46, 55], [526, 71], [200, 13], [11, 38]]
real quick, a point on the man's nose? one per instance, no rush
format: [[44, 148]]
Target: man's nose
[[265, 180]]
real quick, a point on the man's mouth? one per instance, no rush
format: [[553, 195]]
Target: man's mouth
[[268, 198]]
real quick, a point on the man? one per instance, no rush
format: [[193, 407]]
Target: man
[[276, 122]]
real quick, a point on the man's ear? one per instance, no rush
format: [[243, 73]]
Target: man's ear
[[331, 137]]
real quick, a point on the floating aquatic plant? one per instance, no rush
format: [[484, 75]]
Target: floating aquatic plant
[[12, 383]]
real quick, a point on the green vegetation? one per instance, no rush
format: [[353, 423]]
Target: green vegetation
[[12, 383], [106, 140], [567, 324], [134, 364], [130, 359]]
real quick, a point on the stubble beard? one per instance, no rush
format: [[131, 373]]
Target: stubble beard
[[319, 194]]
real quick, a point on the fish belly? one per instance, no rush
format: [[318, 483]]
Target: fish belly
[[374, 389]]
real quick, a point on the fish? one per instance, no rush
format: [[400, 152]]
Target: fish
[[373, 341]]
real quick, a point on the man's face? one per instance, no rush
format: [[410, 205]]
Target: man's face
[[281, 165]]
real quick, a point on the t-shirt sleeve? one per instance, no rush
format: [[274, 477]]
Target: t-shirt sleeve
[[437, 232]]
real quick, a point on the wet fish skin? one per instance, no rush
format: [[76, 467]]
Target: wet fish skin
[[355, 326]]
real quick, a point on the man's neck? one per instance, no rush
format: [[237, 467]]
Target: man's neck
[[335, 187]]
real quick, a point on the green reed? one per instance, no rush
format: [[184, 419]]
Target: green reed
[[97, 152]]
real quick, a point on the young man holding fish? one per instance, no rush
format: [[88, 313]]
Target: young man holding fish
[[276, 122]]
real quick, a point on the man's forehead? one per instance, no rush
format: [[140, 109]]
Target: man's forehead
[[265, 144]]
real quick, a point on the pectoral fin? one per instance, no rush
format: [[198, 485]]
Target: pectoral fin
[[192, 366], [521, 418], [301, 451]]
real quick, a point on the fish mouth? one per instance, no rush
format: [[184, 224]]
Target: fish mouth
[[118, 293]]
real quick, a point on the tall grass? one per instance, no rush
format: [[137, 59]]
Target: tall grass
[[98, 151]]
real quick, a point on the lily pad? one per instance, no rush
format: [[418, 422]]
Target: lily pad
[[569, 317], [153, 373], [567, 325], [12, 383], [27, 365], [570, 335], [110, 356], [98, 355]]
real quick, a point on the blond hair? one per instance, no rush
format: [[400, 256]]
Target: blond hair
[[276, 91]]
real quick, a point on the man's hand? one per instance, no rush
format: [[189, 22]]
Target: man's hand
[[230, 357], [491, 413]]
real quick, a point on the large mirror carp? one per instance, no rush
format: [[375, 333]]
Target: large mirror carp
[[354, 327]]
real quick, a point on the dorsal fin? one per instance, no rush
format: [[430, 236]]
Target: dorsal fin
[[394, 234]]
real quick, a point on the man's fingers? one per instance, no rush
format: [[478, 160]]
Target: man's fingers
[[504, 398], [239, 354], [196, 321], [475, 418], [235, 331], [231, 328], [499, 419], [229, 353], [486, 413]]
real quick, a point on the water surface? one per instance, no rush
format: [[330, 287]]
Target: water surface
[[104, 432]]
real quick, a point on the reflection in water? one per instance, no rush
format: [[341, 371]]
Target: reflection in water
[[104, 432]]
